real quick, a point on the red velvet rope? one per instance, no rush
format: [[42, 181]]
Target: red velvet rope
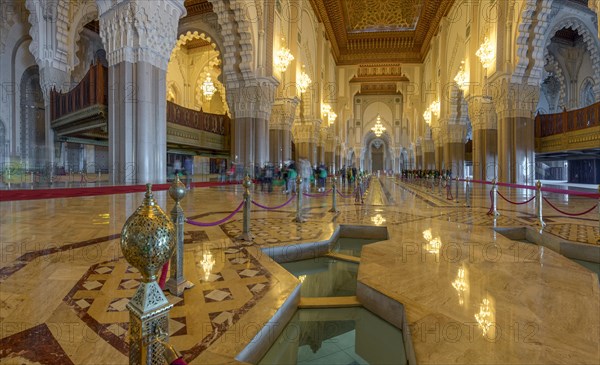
[[163, 275], [515, 203], [569, 214]]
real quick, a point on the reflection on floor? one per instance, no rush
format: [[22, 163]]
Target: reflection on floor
[[64, 283]]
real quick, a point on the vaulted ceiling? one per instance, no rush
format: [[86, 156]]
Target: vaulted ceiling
[[371, 31]]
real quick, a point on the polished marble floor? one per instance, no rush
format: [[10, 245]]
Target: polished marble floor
[[64, 283]]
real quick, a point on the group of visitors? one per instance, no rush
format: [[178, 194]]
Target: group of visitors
[[422, 174]]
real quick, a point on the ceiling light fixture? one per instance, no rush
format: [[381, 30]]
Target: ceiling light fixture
[[208, 88], [378, 128], [486, 53], [283, 57], [304, 81]]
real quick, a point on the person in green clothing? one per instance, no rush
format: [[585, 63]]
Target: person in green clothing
[[292, 174]]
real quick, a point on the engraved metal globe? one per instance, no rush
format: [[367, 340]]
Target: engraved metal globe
[[177, 190], [148, 238]]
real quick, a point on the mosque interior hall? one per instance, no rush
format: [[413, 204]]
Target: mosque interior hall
[[299, 182]]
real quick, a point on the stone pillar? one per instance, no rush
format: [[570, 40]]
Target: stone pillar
[[280, 126], [485, 138], [515, 105], [139, 37], [428, 154], [251, 103], [454, 149]]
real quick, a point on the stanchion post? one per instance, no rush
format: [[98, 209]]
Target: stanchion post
[[246, 235], [456, 197], [467, 193], [299, 218], [147, 242], [177, 283], [538, 199], [333, 196], [495, 198]]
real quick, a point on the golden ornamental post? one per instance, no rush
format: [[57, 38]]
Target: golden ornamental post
[[538, 201], [333, 197], [177, 283], [246, 235], [495, 198], [147, 242]]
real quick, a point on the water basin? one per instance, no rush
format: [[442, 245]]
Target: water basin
[[337, 336], [351, 246], [324, 276]]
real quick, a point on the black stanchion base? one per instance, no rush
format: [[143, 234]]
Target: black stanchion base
[[245, 237]]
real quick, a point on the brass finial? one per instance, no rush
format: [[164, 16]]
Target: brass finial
[[148, 237], [177, 189]]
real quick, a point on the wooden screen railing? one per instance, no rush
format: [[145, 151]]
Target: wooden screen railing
[[567, 121], [91, 90], [213, 123]]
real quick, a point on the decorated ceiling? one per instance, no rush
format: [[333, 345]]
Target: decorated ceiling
[[364, 31]]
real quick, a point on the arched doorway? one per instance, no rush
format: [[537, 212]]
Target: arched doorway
[[377, 155], [33, 131]]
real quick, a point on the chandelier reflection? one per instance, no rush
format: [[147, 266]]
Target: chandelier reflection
[[433, 244], [485, 318], [208, 88], [378, 219], [302, 278], [460, 284], [378, 128], [207, 263]]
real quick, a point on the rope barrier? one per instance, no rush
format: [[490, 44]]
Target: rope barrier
[[516, 203], [273, 208], [569, 214], [344, 196], [318, 195], [201, 224]]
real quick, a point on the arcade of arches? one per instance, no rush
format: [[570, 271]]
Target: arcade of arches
[[131, 91]]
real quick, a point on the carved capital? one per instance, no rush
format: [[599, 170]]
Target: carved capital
[[482, 113], [254, 99], [140, 30], [455, 133], [283, 113], [514, 100]]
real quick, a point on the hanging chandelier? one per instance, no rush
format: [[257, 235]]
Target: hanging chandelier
[[208, 88], [378, 128], [427, 115], [303, 81], [283, 57], [486, 53], [462, 78], [331, 117]]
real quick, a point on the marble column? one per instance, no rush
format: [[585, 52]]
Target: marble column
[[516, 134], [454, 149], [251, 102], [485, 139], [137, 125], [282, 117]]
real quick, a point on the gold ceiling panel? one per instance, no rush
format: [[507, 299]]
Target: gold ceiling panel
[[382, 15], [368, 31]]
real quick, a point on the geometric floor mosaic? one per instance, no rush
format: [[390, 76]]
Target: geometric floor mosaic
[[235, 277], [478, 218], [275, 230], [575, 232]]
